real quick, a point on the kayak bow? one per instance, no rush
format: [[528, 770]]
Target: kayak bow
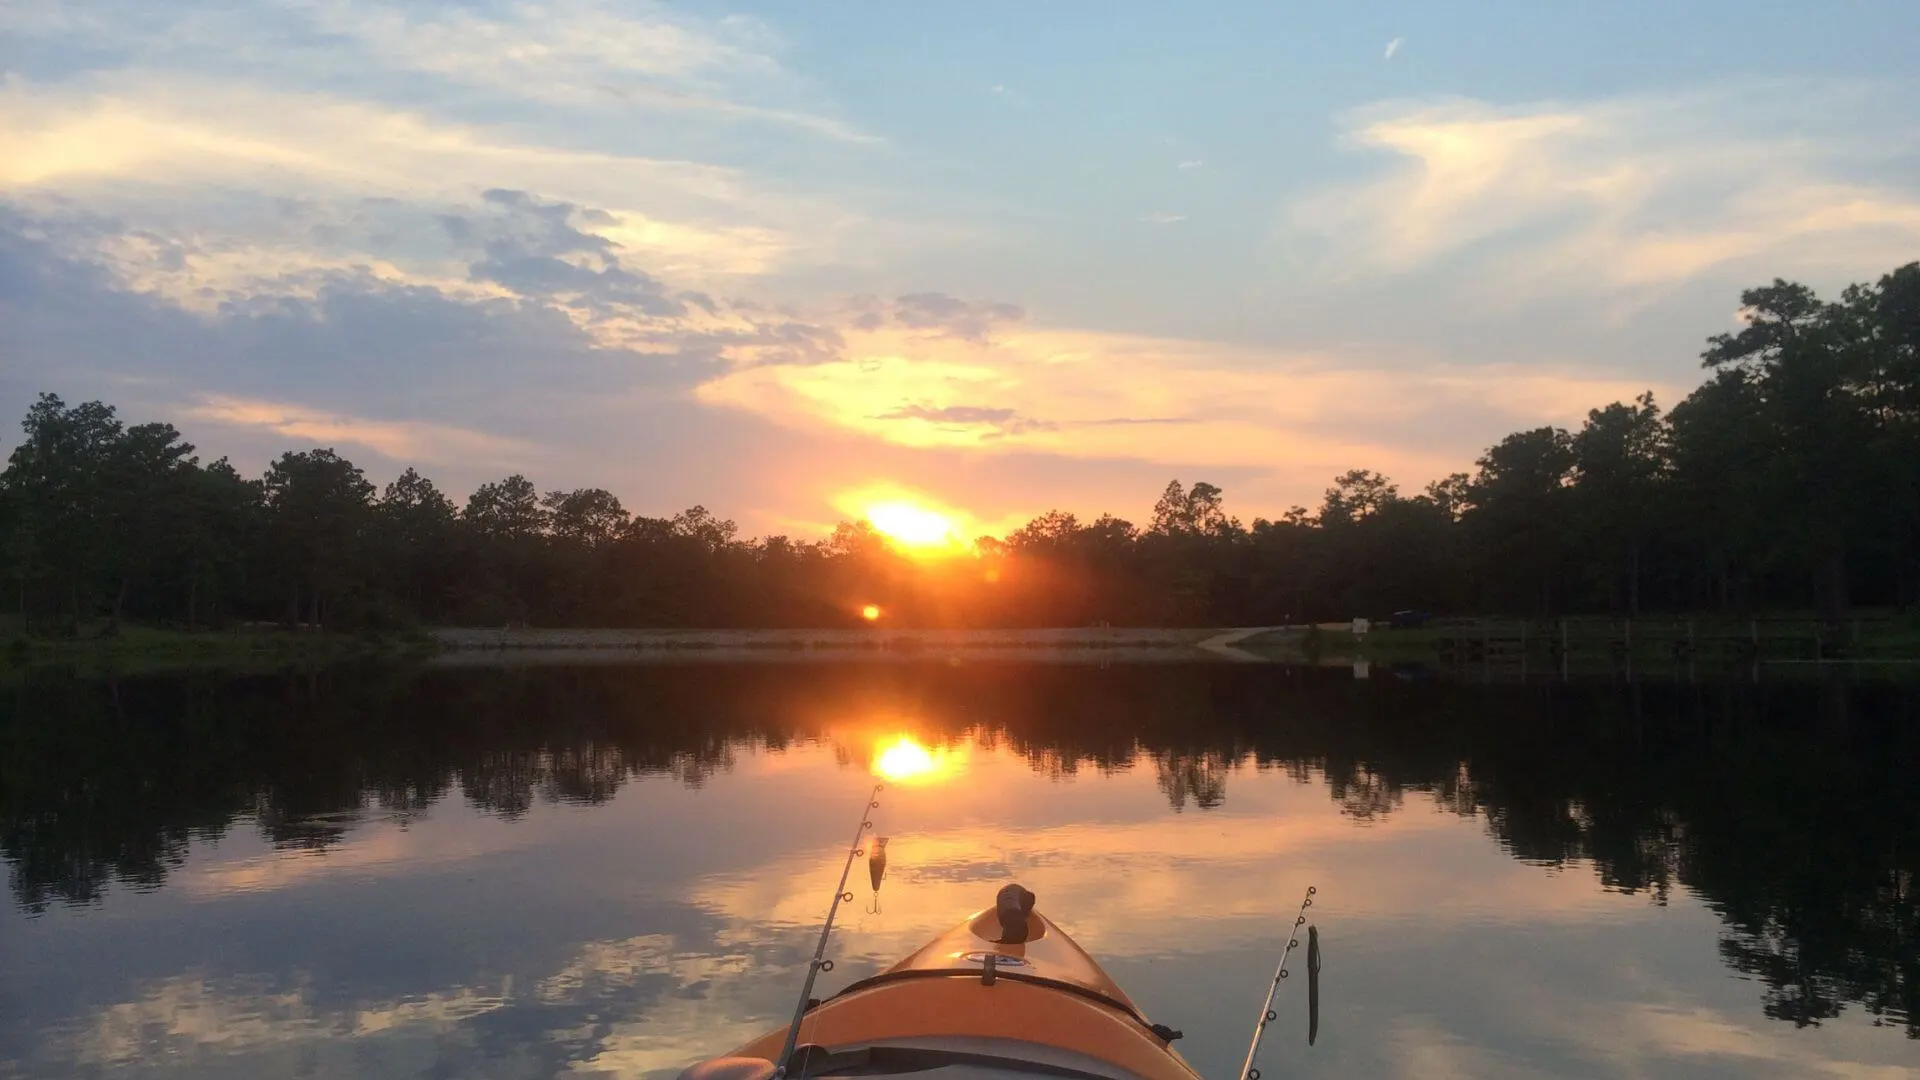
[[1005, 994]]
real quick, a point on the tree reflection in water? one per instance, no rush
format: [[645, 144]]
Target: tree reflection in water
[[1791, 809]]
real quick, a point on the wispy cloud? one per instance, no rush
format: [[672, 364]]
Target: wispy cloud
[[1192, 164], [556, 49], [185, 129], [396, 440], [133, 146], [965, 417], [1392, 48], [576, 51], [667, 99], [1103, 396], [1008, 95], [573, 53], [1163, 217], [1641, 191]]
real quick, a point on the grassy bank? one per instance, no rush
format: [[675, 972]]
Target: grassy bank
[[1772, 638], [134, 649]]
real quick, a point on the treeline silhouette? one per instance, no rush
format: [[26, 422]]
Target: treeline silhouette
[[1791, 478], [1789, 809]]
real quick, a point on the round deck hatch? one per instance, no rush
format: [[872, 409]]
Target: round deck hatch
[[1000, 959]]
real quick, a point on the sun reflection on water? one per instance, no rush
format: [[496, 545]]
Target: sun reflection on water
[[903, 760]]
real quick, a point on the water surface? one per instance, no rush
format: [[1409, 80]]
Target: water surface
[[616, 870]]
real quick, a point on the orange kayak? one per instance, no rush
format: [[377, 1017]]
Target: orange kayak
[[978, 1003]]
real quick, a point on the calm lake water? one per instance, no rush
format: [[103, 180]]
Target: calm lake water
[[613, 871]]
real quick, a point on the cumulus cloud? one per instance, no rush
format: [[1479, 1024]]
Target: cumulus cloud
[[300, 359], [406, 374], [529, 289], [546, 256]]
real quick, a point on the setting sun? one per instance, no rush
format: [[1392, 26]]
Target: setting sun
[[905, 761], [914, 526], [910, 521], [871, 612]]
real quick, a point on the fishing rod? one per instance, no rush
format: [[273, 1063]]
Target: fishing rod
[[1267, 1015], [819, 963]]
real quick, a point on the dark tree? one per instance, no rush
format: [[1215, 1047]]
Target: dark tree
[[319, 507]]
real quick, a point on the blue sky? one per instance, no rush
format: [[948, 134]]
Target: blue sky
[[996, 257]]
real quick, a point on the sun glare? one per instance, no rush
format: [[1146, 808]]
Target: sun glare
[[871, 612], [903, 760], [910, 521], [915, 527]]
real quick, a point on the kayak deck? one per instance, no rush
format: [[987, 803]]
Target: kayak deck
[[973, 1003]]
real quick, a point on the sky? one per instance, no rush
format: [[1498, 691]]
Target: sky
[[787, 259]]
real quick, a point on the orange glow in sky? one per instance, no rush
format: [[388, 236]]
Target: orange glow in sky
[[903, 760]]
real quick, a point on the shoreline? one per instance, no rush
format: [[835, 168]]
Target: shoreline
[[1476, 642], [858, 638], [1653, 641], [469, 646]]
